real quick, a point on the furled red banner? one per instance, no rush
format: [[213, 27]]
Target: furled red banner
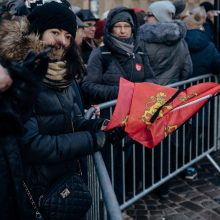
[[150, 112]]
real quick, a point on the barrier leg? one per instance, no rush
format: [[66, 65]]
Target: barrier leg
[[213, 162], [111, 203]]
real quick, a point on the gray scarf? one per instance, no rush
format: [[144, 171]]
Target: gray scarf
[[128, 48]]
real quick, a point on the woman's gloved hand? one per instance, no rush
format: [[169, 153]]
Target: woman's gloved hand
[[115, 134], [111, 136]]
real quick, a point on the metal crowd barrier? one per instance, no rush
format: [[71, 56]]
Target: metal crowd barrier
[[136, 170]]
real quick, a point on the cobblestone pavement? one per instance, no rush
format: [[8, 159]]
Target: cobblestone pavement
[[197, 199]]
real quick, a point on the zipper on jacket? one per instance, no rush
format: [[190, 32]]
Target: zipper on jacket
[[132, 56]]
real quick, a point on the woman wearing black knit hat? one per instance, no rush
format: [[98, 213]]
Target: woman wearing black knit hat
[[56, 135]]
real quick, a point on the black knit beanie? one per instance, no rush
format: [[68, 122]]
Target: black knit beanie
[[52, 15]]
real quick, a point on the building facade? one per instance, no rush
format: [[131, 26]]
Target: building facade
[[100, 6]]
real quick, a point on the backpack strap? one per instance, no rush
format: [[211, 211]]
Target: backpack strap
[[107, 58], [149, 73]]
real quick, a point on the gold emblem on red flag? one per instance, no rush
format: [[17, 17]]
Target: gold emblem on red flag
[[153, 105]]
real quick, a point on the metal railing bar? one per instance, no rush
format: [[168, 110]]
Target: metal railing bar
[[108, 194]]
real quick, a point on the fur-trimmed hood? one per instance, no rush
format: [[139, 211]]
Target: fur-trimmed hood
[[168, 33], [16, 41]]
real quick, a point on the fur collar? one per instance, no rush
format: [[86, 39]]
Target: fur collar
[[163, 32], [16, 42]]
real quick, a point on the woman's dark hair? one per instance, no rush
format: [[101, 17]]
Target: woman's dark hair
[[76, 68]]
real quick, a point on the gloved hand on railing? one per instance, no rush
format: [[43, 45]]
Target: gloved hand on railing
[[115, 134], [111, 136]]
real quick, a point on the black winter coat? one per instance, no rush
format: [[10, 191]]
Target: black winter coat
[[13, 199], [56, 136], [11, 175], [204, 54], [108, 63]]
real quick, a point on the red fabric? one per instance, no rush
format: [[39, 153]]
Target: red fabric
[[137, 9], [100, 25], [137, 103]]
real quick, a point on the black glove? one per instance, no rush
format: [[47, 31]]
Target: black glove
[[32, 68], [111, 136], [27, 79], [115, 134]]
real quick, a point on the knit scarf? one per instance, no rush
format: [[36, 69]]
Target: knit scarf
[[56, 76], [126, 45]]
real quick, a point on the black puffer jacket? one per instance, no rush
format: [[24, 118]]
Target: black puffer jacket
[[108, 63], [12, 201], [55, 137]]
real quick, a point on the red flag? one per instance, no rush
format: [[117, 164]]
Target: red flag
[[139, 103], [122, 109]]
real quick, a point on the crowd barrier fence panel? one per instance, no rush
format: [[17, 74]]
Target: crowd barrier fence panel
[[142, 169]]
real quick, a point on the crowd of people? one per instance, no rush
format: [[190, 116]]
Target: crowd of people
[[56, 60]]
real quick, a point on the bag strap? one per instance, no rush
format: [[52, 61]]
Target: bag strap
[[107, 57], [37, 212]]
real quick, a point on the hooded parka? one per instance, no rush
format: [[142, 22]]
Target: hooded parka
[[108, 63]]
